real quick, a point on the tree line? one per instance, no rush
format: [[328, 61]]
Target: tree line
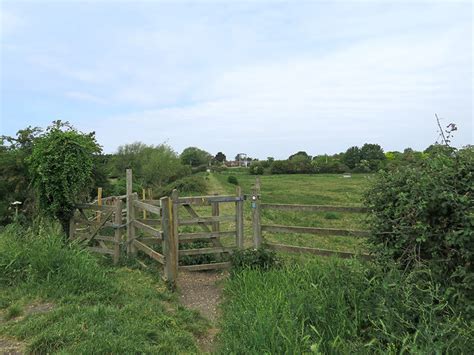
[[42, 160]]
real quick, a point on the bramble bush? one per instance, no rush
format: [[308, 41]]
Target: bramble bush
[[62, 165], [424, 213]]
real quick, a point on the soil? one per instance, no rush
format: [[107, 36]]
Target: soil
[[202, 291]]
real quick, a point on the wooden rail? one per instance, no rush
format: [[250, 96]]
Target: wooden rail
[[200, 267], [316, 251], [149, 251], [207, 200], [314, 230], [147, 207], [208, 220], [189, 237], [147, 229], [258, 228], [313, 208], [202, 251]]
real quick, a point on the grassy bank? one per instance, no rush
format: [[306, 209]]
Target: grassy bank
[[338, 306], [85, 306]]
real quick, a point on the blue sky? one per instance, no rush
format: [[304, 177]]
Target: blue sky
[[265, 78]]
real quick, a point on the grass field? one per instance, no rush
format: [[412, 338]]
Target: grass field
[[321, 189]]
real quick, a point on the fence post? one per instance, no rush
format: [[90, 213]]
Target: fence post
[[239, 218], [143, 198], [257, 230], [72, 226], [168, 250], [117, 234], [215, 213], [99, 203], [131, 250]]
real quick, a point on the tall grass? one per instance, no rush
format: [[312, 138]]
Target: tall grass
[[338, 306], [96, 308]]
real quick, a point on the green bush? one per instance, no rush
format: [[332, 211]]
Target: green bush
[[62, 166], [232, 180], [424, 213], [261, 258], [191, 184], [256, 169]]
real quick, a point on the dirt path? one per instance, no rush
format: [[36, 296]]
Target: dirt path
[[215, 186], [202, 291]]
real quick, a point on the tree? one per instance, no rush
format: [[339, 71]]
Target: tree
[[161, 165], [352, 157], [373, 153], [301, 155], [61, 164], [220, 157], [15, 182], [128, 157], [195, 157]]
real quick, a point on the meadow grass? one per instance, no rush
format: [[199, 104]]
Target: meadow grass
[[311, 189], [330, 306], [95, 308]]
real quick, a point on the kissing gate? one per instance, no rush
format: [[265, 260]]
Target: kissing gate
[[157, 228], [181, 232]]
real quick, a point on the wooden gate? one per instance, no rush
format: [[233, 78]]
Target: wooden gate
[[98, 225], [216, 233]]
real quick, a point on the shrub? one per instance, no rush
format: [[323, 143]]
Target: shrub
[[190, 184], [62, 165], [256, 169], [424, 213], [232, 180], [263, 259]]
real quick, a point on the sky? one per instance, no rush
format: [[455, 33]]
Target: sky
[[266, 78]]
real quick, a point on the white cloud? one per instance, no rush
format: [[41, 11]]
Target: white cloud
[[9, 22], [362, 92], [84, 96]]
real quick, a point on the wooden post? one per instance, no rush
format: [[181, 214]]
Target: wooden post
[[117, 234], [72, 227], [170, 250], [99, 202], [131, 250], [239, 219], [143, 198], [216, 226], [171, 214], [257, 230], [215, 213]]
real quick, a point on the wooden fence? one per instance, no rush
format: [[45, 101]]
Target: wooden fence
[[157, 228], [258, 227]]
